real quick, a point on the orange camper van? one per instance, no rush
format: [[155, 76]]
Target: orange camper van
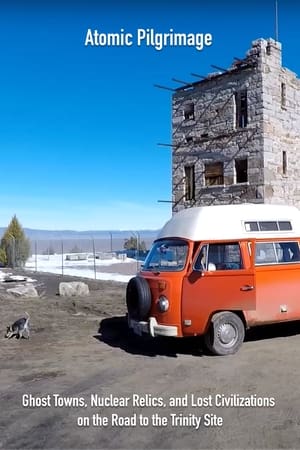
[[217, 271]]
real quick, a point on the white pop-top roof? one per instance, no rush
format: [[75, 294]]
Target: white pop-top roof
[[230, 222]]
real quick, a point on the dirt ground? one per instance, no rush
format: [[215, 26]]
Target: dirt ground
[[82, 355]]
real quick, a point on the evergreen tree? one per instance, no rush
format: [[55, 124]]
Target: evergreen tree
[[14, 245], [3, 259], [76, 249], [131, 244], [49, 251]]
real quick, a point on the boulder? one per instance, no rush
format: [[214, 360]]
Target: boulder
[[73, 288], [23, 291]]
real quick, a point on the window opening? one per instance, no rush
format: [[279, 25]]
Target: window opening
[[189, 174], [214, 174], [277, 253], [282, 225], [219, 257], [283, 95], [241, 170], [241, 109], [284, 162], [189, 111]]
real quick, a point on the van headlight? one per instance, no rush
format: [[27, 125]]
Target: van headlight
[[163, 304]]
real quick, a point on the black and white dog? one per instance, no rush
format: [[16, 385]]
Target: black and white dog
[[18, 328]]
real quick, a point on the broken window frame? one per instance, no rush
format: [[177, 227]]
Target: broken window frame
[[189, 182], [214, 174], [241, 109], [189, 139], [189, 111]]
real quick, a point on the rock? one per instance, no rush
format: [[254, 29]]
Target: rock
[[73, 288], [23, 291]]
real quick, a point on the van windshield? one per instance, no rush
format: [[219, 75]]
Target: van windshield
[[167, 256]]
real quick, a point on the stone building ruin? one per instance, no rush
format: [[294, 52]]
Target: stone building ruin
[[236, 134]]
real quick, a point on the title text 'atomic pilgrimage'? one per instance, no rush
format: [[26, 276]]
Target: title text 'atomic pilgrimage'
[[148, 37]]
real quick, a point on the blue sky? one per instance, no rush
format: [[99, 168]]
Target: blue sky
[[79, 125]]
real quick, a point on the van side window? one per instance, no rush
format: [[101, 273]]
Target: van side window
[[201, 261], [277, 253], [219, 257]]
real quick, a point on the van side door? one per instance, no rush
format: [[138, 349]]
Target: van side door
[[277, 268], [221, 279]]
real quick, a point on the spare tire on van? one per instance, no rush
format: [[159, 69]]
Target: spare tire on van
[[138, 298]]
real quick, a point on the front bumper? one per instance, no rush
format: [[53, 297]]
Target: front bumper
[[152, 327]]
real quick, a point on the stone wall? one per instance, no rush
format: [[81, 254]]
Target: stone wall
[[281, 130], [210, 132]]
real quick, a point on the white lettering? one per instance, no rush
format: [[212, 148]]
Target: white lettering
[[108, 39], [212, 420], [191, 420], [29, 401], [110, 401], [123, 421], [148, 37], [89, 38]]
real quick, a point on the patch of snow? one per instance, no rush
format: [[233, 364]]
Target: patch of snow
[[16, 278], [81, 268], [30, 280]]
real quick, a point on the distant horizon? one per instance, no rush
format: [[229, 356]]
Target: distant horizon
[[100, 230], [87, 240], [85, 234]]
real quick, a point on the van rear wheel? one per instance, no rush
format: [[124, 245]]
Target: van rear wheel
[[226, 334]]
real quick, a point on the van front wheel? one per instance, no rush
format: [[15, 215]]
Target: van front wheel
[[226, 334]]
